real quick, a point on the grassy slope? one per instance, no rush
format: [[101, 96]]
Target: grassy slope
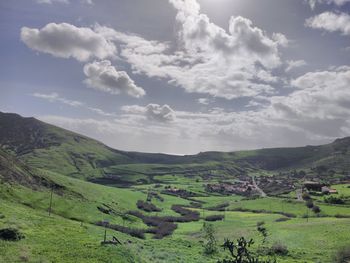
[[64, 240]]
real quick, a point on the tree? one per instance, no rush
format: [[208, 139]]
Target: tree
[[239, 252], [309, 204], [316, 209], [210, 247], [262, 230]]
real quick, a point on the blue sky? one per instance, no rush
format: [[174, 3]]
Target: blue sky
[[180, 76]]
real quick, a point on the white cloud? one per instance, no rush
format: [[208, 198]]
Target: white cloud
[[207, 59], [292, 64], [66, 40], [54, 97], [52, 1], [104, 77], [152, 112], [313, 3], [331, 22], [204, 101], [316, 112]]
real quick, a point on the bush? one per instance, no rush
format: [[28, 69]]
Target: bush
[[146, 206], [342, 255], [316, 209], [214, 218], [334, 200], [220, 207], [163, 229], [10, 234], [306, 196], [210, 243], [309, 204], [282, 219], [278, 249], [139, 233]]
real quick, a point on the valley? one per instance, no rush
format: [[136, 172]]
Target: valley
[[156, 205]]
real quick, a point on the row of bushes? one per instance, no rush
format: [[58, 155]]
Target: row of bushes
[[214, 218], [139, 233], [220, 207], [260, 211], [165, 225], [146, 206]]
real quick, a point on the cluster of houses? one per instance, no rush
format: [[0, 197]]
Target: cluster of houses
[[319, 187], [240, 188]]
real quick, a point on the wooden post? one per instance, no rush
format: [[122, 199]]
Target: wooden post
[[105, 237], [50, 206]]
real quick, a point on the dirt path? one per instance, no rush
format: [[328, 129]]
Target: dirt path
[[262, 193], [299, 194]]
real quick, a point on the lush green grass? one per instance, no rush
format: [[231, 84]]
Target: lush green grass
[[56, 239]]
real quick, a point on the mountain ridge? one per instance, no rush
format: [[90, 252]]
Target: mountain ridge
[[38, 144]]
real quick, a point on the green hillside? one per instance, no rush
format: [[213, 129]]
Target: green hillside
[[42, 145], [158, 214]]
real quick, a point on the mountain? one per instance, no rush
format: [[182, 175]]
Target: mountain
[[42, 145]]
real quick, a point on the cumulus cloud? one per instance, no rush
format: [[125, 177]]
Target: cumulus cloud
[[204, 101], [66, 40], [207, 58], [331, 22], [313, 3], [316, 112], [101, 75], [152, 112], [292, 64]]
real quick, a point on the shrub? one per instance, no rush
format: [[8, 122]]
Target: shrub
[[163, 229], [282, 219], [139, 233], [10, 234], [334, 200], [309, 204], [316, 209], [209, 235], [240, 252], [342, 255], [220, 207], [306, 196], [278, 249], [214, 218], [146, 206]]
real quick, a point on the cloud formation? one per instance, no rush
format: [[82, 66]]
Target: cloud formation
[[292, 64], [52, 1], [153, 112], [331, 22], [54, 97], [66, 40], [101, 75], [313, 3], [207, 58]]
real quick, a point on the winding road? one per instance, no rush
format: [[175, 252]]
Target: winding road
[[262, 193]]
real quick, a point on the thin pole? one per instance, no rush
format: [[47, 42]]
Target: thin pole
[[50, 207], [105, 237]]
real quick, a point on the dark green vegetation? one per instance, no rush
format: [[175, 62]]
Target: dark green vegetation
[[140, 198]]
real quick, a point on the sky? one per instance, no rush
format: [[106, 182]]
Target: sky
[[180, 76]]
